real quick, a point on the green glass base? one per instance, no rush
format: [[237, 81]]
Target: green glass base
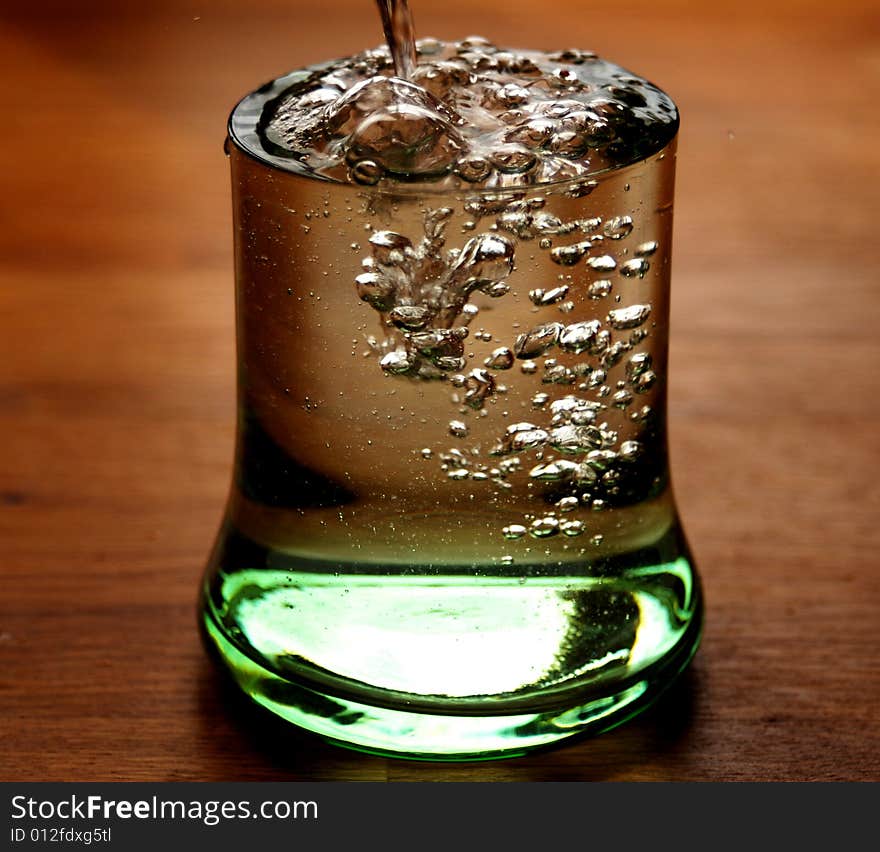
[[457, 730]]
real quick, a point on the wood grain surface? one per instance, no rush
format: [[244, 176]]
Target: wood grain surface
[[117, 360]]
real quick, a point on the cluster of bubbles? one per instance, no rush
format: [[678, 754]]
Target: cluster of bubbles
[[470, 113], [422, 291]]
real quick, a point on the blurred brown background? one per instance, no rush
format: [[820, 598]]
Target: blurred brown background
[[116, 380]]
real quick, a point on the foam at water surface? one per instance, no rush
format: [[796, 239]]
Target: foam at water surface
[[472, 114]]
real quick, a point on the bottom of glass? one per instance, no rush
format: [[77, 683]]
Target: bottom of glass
[[469, 733]]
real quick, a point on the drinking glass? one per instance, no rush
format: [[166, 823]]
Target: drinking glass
[[455, 540]]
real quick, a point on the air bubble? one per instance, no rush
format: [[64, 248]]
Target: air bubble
[[596, 378], [509, 466], [480, 385], [500, 359], [411, 317], [568, 143], [572, 55], [601, 459], [547, 223], [537, 341], [528, 440], [518, 222], [511, 94], [582, 188], [513, 159], [645, 382], [514, 531], [587, 226], [532, 134], [544, 527], [629, 317], [555, 471], [407, 139], [572, 528], [614, 353], [583, 417], [366, 172], [548, 297], [539, 400], [397, 361], [602, 263], [376, 290], [570, 255], [622, 399], [575, 440], [599, 289], [638, 364], [636, 268], [567, 504], [630, 450], [570, 404], [389, 247], [599, 133], [585, 475], [558, 374], [428, 46], [618, 227], [580, 336], [473, 169]]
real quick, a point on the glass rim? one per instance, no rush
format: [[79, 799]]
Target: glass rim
[[244, 120]]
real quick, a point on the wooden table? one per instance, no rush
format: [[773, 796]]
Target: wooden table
[[116, 382]]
